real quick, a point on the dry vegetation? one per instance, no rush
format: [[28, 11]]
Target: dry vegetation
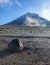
[[24, 31]]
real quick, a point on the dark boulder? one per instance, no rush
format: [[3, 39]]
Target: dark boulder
[[15, 45]]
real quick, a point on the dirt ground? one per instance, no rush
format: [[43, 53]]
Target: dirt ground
[[36, 52]]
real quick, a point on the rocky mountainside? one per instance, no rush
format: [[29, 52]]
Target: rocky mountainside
[[30, 19]]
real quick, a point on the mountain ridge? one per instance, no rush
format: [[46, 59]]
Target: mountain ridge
[[30, 19]]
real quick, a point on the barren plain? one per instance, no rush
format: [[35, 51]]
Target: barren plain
[[36, 41]]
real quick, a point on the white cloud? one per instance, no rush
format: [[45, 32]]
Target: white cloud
[[3, 2], [9, 2], [18, 3], [45, 11]]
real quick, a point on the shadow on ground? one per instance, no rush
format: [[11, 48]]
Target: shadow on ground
[[6, 52]]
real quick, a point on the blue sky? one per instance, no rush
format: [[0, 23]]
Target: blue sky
[[12, 9]]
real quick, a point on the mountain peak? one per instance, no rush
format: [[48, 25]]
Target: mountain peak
[[33, 15], [28, 13], [30, 19]]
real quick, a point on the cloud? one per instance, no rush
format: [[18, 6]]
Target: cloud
[[4, 1], [9, 2], [45, 11], [18, 3]]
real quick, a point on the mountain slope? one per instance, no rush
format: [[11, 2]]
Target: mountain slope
[[30, 19]]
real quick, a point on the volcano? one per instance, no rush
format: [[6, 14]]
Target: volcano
[[30, 19]]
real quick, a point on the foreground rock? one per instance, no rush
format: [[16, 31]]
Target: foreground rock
[[15, 45]]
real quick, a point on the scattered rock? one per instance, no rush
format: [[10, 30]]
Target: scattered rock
[[15, 45]]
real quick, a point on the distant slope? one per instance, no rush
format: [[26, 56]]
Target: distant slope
[[30, 19]]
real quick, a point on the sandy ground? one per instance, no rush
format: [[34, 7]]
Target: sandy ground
[[37, 52]]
